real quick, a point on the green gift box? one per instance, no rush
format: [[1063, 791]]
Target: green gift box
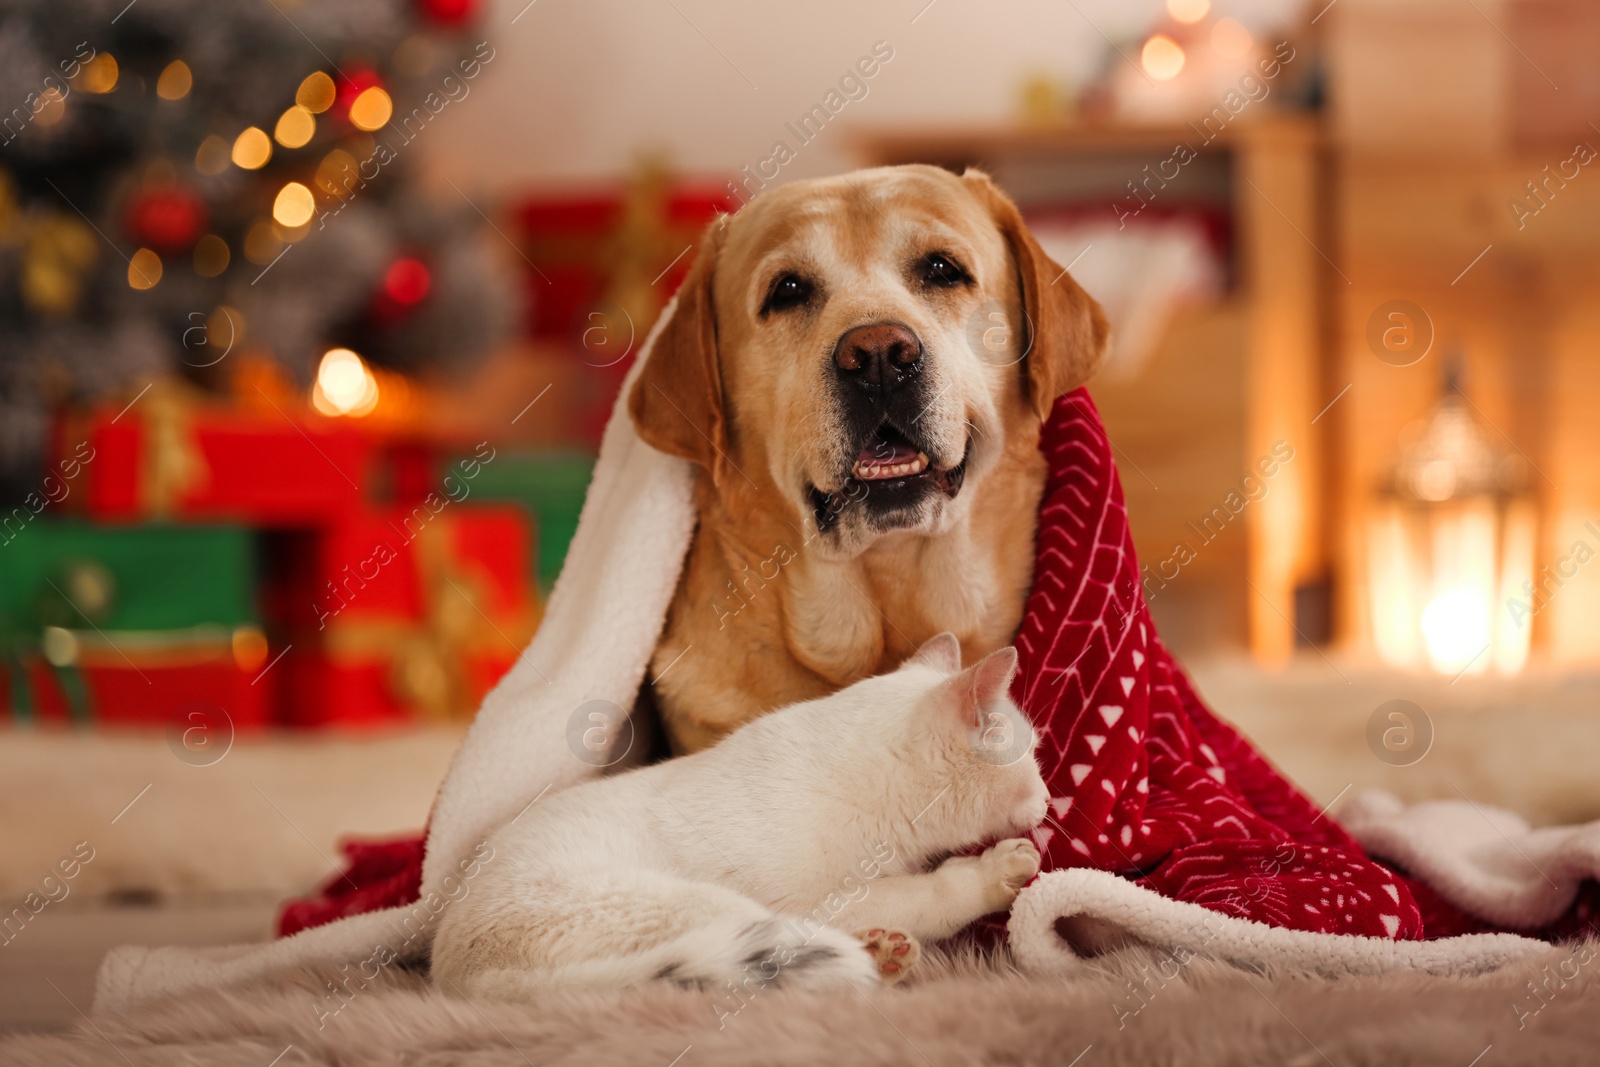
[[72, 592], [155, 577], [551, 485]]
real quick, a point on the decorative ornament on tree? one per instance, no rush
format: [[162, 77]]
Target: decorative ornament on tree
[[205, 175], [448, 12], [58, 255], [352, 83], [405, 285], [169, 220]]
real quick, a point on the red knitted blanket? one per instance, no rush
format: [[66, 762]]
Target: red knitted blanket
[[1146, 782]]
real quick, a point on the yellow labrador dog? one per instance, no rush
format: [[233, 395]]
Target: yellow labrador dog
[[860, 367]]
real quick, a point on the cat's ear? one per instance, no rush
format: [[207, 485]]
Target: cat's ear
[[942, 652], [982, 684]]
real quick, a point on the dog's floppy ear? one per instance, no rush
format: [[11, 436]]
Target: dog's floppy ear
[[676, 404], [1068, 328]]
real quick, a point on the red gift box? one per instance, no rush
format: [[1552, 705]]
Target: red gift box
[[577, 241], [606, 264], [155, 690], [162, 457], [399, 613]]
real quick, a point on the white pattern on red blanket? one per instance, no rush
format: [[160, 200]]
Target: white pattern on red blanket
[[1145, 781]]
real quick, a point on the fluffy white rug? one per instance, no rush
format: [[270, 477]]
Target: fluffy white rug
[[1521, 743], [262, 819], [1136, 1006]]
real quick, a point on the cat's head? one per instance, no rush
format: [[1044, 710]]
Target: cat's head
[[981, 777]]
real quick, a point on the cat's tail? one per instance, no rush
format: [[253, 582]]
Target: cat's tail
[[769, 952], [728, 954]]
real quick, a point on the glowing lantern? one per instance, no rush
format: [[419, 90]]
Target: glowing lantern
[[1450, 547]]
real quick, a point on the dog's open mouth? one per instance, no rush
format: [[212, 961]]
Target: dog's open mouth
[[883, 460], [891, 473]]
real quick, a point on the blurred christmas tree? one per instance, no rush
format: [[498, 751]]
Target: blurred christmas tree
[[184, 179]]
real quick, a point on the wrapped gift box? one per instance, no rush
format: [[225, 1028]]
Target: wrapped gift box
[[551, 487], [396, 614], [168, 457], [131, 624], [151, 688], [607, 263], [583, 242]]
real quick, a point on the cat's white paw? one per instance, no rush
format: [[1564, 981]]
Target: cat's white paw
[[894, 952], [1007, 867]]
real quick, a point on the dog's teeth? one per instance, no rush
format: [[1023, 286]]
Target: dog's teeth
[[875, 471]]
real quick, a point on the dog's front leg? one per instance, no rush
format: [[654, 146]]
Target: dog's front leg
[[937, 904]]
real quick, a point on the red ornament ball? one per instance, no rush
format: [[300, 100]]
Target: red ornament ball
[[448, 12], [407, 281], [405, 285], [169, 220]]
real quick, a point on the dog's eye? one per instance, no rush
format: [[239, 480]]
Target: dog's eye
[[788, 291], [941, 271]]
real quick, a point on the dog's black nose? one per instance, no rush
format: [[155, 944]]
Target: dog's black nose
[[880, 356]]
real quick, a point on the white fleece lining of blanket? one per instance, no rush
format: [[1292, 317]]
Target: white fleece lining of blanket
[[599, 631], [1485, 860], [1189, 929]]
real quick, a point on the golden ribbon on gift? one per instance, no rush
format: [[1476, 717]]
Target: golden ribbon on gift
[[643, 240], [172, 461], [427, 660]]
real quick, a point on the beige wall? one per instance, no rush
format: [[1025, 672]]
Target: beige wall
[[577, 87]]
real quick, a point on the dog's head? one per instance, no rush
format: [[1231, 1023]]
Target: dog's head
[[865, 344]]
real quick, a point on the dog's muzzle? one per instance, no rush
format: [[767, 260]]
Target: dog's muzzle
[[883, 397]]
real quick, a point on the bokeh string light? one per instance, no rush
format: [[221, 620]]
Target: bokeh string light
[[294, 206], [316, 93], [345, 386], [144, 269], [99, 75], [252, 149], [175, 82], [1162, 57], [295, 128], [214, 170], [211, 256], [1231, 39], [371, 110]]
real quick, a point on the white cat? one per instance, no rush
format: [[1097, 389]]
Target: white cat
[[754, 857]]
